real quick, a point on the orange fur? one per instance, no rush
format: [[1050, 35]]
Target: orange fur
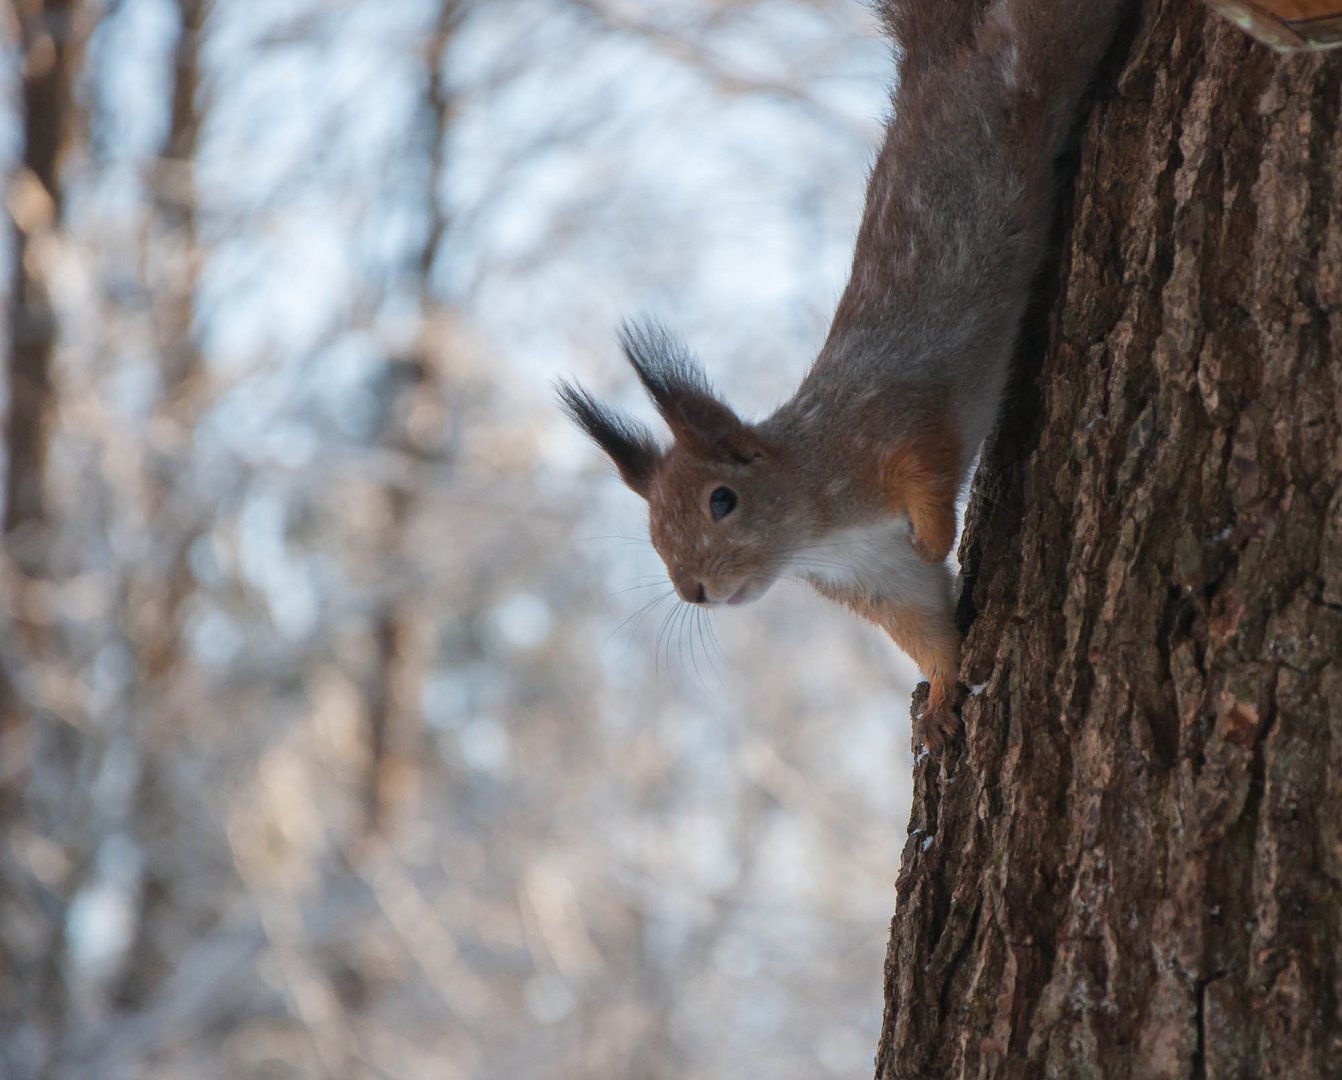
[[920, 477], [931, 642]]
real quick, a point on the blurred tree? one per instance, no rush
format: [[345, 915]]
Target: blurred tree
[[1133, 866], [156, 583], [409, 393], [49, 51], [49, 45], [300, 535]]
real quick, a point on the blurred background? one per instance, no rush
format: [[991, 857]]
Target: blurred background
[[348, 726]]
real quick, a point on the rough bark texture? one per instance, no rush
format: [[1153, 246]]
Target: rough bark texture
[[1133, 865]]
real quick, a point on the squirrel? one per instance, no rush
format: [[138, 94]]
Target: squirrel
[[851, 484]]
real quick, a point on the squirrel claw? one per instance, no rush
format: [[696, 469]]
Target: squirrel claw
[[934, 725]]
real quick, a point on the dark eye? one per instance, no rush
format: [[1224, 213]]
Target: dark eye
[[721, 503]]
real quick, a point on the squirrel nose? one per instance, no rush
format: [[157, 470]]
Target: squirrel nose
[[692, 592]]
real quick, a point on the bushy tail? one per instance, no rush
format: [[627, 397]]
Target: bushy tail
[[1049, 49], [930, 33]]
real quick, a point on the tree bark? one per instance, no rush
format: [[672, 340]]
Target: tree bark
[[1133, 864]]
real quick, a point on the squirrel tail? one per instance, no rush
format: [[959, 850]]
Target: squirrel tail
[[1050, 49], [930, 33]]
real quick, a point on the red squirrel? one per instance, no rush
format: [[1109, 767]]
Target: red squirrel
[[852, 483]]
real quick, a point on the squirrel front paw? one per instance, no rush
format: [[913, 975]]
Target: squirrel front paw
[[938, 721]]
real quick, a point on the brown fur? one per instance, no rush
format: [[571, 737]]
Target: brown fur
[[930, 35], [851, 483]]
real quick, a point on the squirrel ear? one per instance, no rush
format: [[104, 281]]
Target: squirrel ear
[[626, 442], [711, 428], [677, 385]]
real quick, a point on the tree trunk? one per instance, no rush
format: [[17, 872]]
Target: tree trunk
[[1133, 865], [391, 686], [49, 51]]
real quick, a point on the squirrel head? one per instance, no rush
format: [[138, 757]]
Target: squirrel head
[[720, 498]]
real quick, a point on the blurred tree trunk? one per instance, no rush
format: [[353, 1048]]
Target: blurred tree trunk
[[1134, 865], [49, 51], [32, 957], [156, 593], [153, 591], [49, 57], [392, 686]]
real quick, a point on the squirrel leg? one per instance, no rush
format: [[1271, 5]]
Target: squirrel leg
[[933, 643], [926, 632], [921, 475]]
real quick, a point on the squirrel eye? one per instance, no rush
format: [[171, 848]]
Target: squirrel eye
[[721, 503]]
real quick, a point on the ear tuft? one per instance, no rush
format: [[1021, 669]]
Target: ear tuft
[[677, 385], [664, 363], [626, 442]]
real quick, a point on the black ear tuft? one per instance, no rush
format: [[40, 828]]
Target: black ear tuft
[[664, 364], [681, 392], [626, 442]]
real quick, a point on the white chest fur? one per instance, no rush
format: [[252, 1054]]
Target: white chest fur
[[876, 560]]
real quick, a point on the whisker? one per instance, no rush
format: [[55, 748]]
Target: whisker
[[664, 633], [686, 623], [639, 614], [633, 588], [810, 565], [693, 624], [615, 536], [689, 610], [646, 612], [705, 620], [680, 638], [713, 637]]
